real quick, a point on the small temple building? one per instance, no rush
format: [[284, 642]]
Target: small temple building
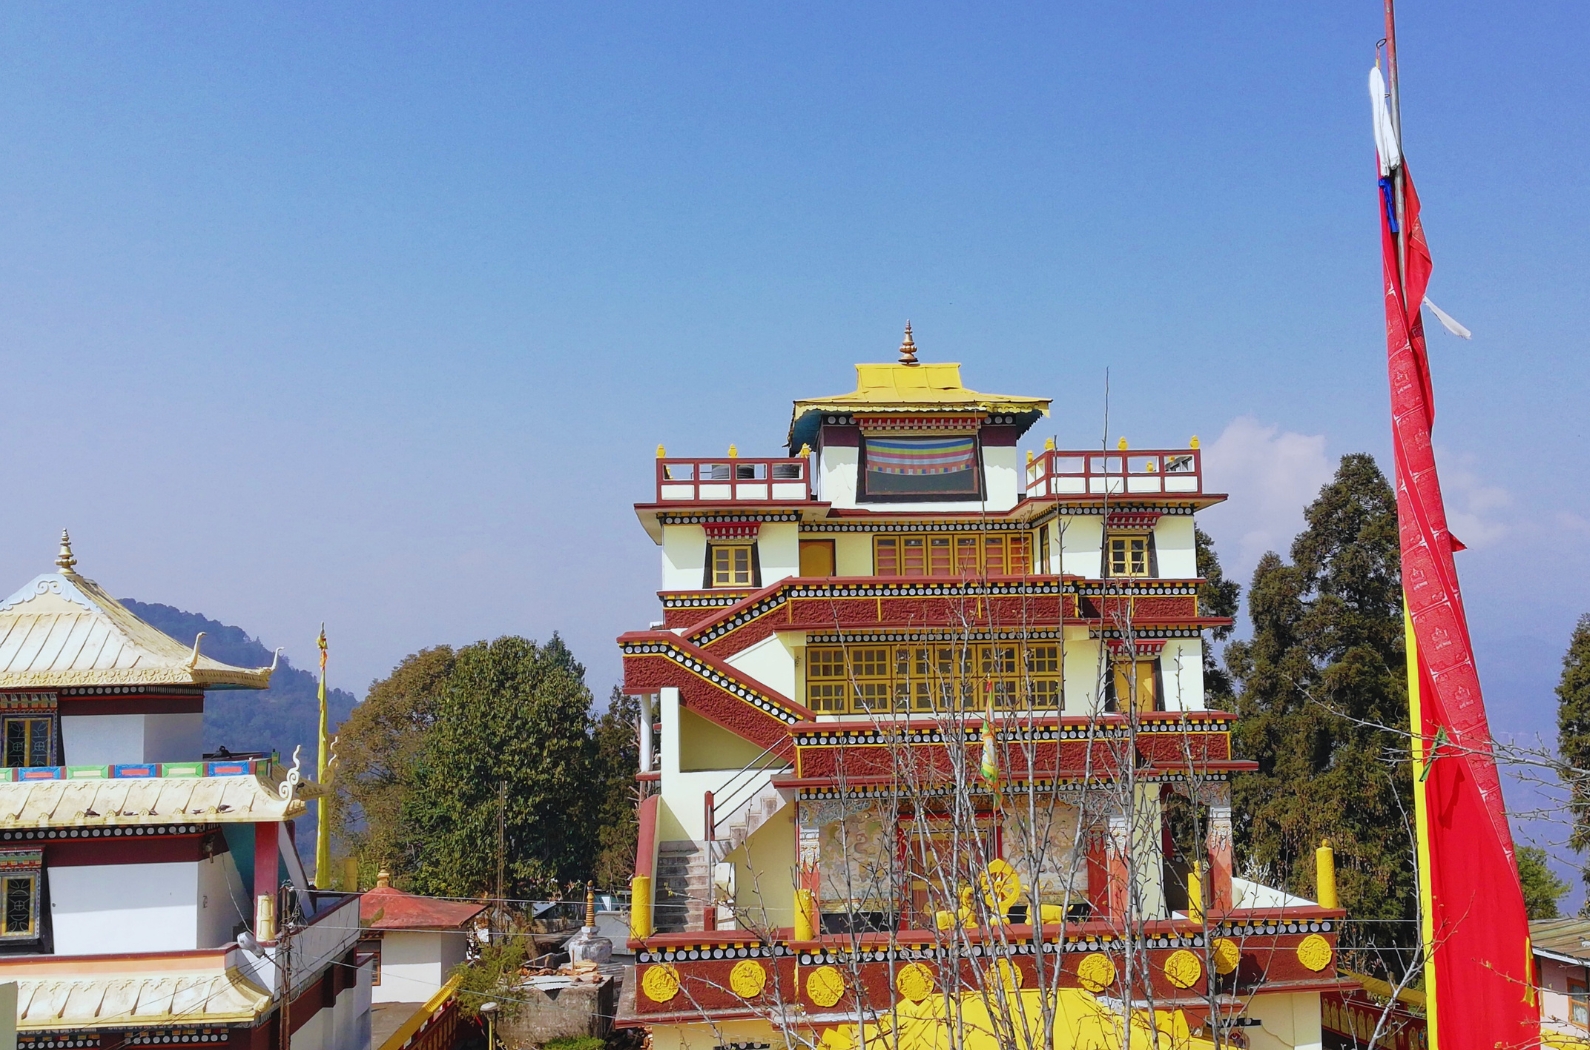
[[925, 741], [151, 895]]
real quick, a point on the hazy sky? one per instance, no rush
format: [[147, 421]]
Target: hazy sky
[[375, 315]]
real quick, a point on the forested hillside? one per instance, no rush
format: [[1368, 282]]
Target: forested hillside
[[280, 717]]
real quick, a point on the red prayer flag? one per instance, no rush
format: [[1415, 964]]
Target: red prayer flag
[[1479, 968]]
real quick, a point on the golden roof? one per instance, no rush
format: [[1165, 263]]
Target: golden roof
[[62, 629], [909, 386], [132, 802], [921, 388], [132, 991]]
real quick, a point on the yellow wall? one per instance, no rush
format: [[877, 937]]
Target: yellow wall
[[852, 553], [765, 865], [719, 1033], [703, 745]]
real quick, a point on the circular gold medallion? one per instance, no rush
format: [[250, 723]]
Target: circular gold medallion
[[1227, 955], [1096, 972], [1315, 952], [660, 983], [825, 985], [1004, 972], [914, 981], [748, 978], [1183, 969]]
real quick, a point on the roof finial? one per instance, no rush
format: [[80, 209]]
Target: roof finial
[[907, 347], [64, 560]]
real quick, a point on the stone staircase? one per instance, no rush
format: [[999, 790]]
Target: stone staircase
[[682, 886], [742, 823]]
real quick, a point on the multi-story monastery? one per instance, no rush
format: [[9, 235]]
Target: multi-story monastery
[[919, 684], [143, 884]]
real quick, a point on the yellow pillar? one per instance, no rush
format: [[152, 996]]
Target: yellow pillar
[[640, 907], [1325, 875], [1195, 895], [805, 915]]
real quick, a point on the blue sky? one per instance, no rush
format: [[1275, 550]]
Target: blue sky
[[375, 315]]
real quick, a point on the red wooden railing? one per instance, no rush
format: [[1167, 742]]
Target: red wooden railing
[[1130, 472], [731, 479]]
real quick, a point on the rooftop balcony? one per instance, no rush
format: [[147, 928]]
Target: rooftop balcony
[[1122, 473], [731, 479]]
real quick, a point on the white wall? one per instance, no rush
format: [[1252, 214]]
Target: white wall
[[1082, 539], [1182, 670], [97, 909], [416, 963], [103, 740], [223, 902], [836, 475], [778, 551], [684, 557], [1174, 548], [1289, 1022], [770, 662], [1002, 473]]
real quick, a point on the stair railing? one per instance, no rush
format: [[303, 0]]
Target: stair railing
[[736, 792]]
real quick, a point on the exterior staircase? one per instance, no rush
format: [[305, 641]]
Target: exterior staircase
[[757, 809], [683, 886]]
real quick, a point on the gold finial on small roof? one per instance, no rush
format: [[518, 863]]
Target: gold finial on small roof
[[64, 560], [1121, 444], [734, 452], [907, 347], [1194, 442], [661, 452], [590, 905], [383, 878]]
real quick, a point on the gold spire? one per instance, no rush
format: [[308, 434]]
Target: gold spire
[[64, 560], [907, 347]]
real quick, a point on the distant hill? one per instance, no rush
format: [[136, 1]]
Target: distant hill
[[279, 718], [285, 715]]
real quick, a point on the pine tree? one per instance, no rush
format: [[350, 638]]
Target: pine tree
[[617, 760], [1217, 596], [1322, 702], [1542, 887], [1573, 735]]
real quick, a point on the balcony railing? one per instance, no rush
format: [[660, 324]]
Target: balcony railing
[[733, 480], [1124, 473]]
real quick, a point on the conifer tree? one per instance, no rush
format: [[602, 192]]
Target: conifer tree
[[1322, 698], [1217, 596], [1573, 735], [617, 760]]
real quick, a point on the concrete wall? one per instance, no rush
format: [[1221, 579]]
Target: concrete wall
[[1081, 541], [771, 662], [1289, 1021], [764, 872], [778, 551], [108, 908], [684, 557], [416, 963], [102, 740], [1174, 548]]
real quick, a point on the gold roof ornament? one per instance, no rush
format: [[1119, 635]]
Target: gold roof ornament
[[907, 347], [63, 629]]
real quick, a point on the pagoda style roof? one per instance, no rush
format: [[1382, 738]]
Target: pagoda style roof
[[116, 802], [911, 387], [387, 908], [133, 991], [62, 629]]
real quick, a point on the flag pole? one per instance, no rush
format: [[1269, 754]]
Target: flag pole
[[1398, 187], [323, 813]]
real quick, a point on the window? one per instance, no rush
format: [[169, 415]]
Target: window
[[952, 554], [19, 894], [30, 741], [933, 677], [1128, 554], [920, 468], [1135, 679], [370, 948], [1043, 549], [731, 565]]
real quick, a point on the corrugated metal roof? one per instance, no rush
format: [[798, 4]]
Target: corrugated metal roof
[[155, 800], [62, 629], [1569, 936], [386, 908], [122, 1000]]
